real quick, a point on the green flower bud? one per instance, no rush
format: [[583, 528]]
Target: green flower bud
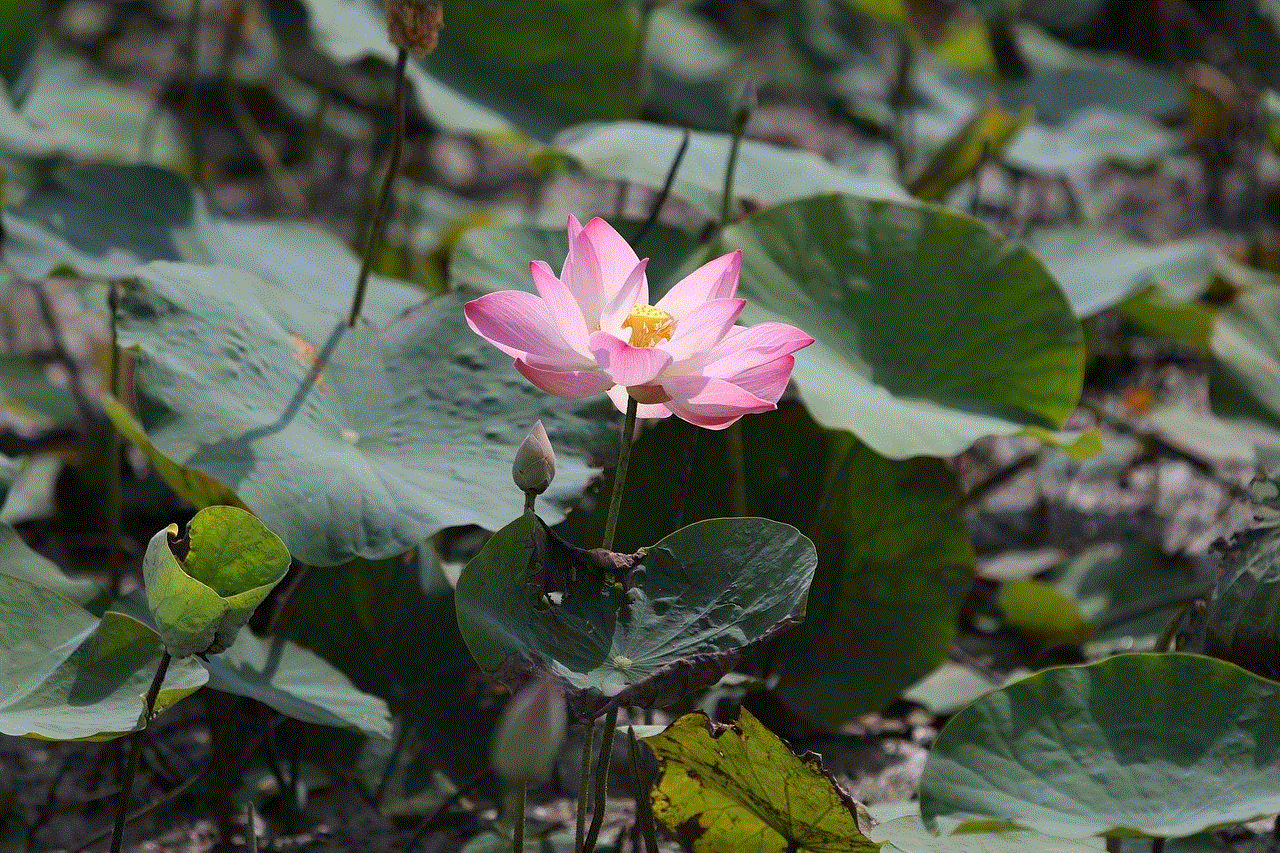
[[535, 465], [530, 732]]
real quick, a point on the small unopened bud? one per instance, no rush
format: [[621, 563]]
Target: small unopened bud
[[530, 732], [414, 25], [535, 465]]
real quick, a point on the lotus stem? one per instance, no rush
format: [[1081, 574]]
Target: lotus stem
[[515, 802], [620, 474], [640, 784], [194, 129], [135, 752], [115, 512], [384, 195], [737, 470], [584, 779], [740, 119], [602, 776], [661, 198]]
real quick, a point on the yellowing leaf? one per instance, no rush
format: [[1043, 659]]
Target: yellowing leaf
[[739, 789]]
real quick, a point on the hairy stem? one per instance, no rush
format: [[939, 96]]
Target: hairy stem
[[135, 752], [384, 195], [115, 523], [584, 779], [602, 780], [620, 473]]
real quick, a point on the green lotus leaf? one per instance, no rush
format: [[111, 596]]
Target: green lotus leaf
[[72, 108], [931, 331], [417, 423], [372, 620], [894, 557], [68, 675], [1147, 745], [643, 153], [536, 66], [907, 834], [202, 596], [1242, 622], [635, 629], [19, 561], [1099, 268], [297, 683], [739, 789], [106, 221]]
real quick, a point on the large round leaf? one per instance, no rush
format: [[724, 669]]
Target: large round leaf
[[296, 683], [643, 153], [1159, 745], [106, 221], [345, 441], [67, 675], [537, 65], [646, 628], [894, 558], [931, 330]]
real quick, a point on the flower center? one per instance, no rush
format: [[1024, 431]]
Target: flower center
[[649, 326]]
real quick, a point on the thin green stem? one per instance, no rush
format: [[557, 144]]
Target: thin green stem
[[281, 615], [584, 780], [384, 195], [115, 523], [637, 66], [726, 195], [620, 473], [135, 752], [602, 779], [640, 784], [194, 129], [737, 470], [516, 793], [529, 497]]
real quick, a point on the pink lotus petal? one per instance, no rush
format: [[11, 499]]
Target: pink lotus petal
[[574, 227], [628, 365], [717, 279], [767, 381], [703, 328], [565, 383], [747, 347], [634, 292], [711, 403], [519, 324], [616, 257], [563, 308], [619, 396]]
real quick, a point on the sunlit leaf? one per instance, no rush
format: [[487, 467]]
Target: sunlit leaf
[[739, 789], [931, 331], [279, 401], [1155, 745]]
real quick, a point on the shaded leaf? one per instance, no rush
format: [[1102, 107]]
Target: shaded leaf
[[241, 380], [894, 557], [296, 683], [373, 621], [642, 153], [1037, 610], [739, 788], [677, 617], [1152, 745], [106, 221], [1242, 623], [19, 561], [225, 565], [931, 331], [66, 675]]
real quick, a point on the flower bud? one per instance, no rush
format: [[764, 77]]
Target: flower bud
[[414, 25], [535, 465], [530, 732]]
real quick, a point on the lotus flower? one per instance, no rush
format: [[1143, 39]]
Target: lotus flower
[[592, 330]]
